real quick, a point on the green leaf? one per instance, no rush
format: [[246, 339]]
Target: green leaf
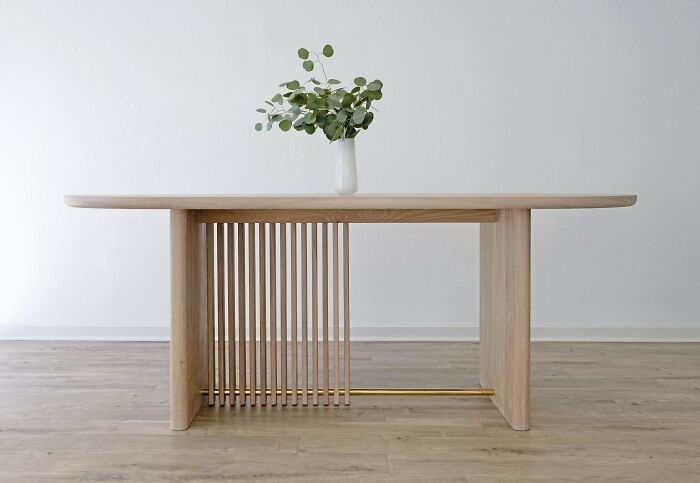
[[359, 115], [264, 111], [310, 117], [299, 122], [341, 116], [328, 50], [368, 120], [375, 95], [303, 53], [334, 100], [308, 65], [295, 110], [276, 118], [309, 128], [338, 132], [269, 125], [374, 86], [355, 90], [334, 81], [321, 91], [278, 98], [291, 85], [315, 81], [285, 125], [258, 126], [271, 104], [360, 81], [348, 99]]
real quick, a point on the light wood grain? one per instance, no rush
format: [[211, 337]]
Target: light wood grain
[[211, 361], [346, 312], [220, 312], [603, 412], [262, 238], [231, 301], [293, 299], [368, 201], [349, 216], [252, 333], [336, 320], [283, 312], [505, 314], [324, 315], [304, 318], [242, 378], [273, 313], [314, 314], [188, 349]]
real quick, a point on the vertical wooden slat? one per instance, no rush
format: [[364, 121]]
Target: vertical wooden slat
[[221, 314], [304, 321], [231, 316], [252, 336], [241, 315], [294, 346], [346, 311], [324, 275], [210, 313], [262, 237], [283, 310], [336, 321], [314, 314], [273, 313]]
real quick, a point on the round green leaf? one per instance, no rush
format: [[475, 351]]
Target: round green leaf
[[310, 117], [258, 126], [328, 50], [261, 110], [285, 125], [310, 128], [374, 86], [291, 85], [360, 81], [334, 81], [308, 65], [278, 98], [359, 115], [348, 99], [303, 53]]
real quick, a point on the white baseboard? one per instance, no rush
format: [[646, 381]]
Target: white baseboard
[[386, 333]]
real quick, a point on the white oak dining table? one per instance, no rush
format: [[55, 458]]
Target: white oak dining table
[[255, 278]]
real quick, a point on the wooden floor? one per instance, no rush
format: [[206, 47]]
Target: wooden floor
[[84, 411]]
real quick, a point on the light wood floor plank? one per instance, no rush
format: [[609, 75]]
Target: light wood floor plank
[[600, 412]]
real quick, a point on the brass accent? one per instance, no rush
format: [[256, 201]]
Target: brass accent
[[385, 391]]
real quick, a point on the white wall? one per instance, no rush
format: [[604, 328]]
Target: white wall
[[491, 96]]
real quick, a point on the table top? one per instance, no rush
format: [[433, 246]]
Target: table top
[[354, 202]]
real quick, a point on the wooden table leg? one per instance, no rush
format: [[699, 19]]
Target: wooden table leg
[[188, 363], [505, 314]]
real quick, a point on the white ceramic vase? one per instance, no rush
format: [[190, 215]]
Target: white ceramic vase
[[345, 167]]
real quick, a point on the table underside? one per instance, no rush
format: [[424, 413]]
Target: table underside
[[229, 321]]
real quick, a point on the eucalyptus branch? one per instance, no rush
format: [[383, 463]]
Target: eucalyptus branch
[[338, 112]]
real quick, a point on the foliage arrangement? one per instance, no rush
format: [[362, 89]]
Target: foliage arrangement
[[322, 104]]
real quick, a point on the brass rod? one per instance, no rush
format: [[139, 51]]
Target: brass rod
[[387, 391]]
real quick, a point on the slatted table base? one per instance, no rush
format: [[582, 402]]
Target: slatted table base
[[260, 298]]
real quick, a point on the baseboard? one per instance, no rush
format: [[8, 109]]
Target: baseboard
[[365, 333]]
